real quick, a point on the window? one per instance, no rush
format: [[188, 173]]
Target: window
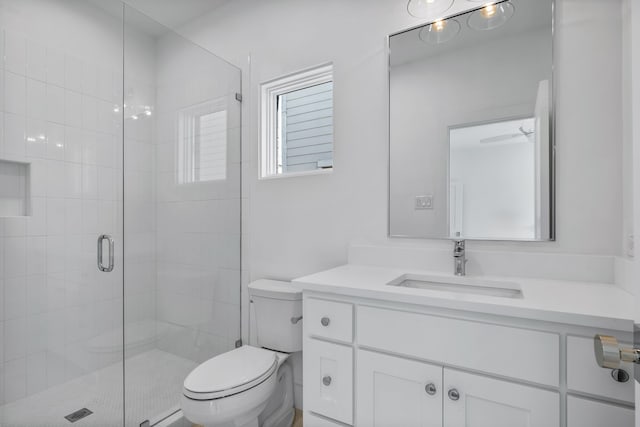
[[202, 143], [297, 124]]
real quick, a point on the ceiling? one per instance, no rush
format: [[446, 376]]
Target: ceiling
[[174, 13], [163, 14]]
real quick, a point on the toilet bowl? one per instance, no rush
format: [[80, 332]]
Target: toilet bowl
[[251, 386]]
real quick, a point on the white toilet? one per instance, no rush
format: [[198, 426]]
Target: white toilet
[[251, 386]]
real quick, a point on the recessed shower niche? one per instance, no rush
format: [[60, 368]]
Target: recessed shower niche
[[14, 188]]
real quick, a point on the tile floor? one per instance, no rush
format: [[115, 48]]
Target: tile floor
[[153, 383]]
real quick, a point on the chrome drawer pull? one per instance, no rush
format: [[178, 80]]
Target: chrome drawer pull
[[454, 394], [326, 380], [325, 321]]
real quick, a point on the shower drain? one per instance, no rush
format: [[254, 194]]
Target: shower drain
[[78, 415]]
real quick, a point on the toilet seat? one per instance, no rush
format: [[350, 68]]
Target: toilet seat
[[230, 373]]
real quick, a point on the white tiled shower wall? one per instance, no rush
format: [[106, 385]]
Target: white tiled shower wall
[[198, 225], [59, 316], [58, 115]]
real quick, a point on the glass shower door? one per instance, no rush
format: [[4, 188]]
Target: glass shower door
[[61, 317], [181, 213]]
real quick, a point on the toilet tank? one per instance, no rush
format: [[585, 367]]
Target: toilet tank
[[278, 309]]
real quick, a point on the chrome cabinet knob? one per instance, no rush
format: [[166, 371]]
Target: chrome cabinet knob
[[609, 354], [325, 321], [430, 389], [454, 394], [326, 380]]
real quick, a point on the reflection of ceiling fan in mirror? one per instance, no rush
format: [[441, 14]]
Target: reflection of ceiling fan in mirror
[[509, 136]]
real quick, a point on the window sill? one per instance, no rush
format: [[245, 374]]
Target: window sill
[[296, 174]]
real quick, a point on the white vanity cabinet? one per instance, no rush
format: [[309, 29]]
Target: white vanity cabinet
[[370, 363]]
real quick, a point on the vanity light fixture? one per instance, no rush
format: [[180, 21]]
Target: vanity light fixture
[[428, 8], [491, 16], [440, 31]]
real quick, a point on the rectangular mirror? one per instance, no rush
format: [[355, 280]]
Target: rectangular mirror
[[471, 125]]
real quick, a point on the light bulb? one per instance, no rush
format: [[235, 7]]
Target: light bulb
[[489, 10], [439, 25], [440, 31], [491, 16]]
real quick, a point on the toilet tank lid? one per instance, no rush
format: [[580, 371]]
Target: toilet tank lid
[[275, 289]]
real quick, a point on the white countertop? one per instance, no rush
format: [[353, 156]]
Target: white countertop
[[586, 304]]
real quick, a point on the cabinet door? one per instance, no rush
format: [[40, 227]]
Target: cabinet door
[[477, 401], [588, 413], [328, 379], [395, 392]]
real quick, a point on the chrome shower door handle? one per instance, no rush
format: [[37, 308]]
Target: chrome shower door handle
[[101, 239]]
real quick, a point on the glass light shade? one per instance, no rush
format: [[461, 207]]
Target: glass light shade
[[428, 8], [440, 31], [491, 16]]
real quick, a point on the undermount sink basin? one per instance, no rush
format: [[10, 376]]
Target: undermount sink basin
[[464, 285]]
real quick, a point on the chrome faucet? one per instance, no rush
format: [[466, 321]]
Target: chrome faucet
[[459, 258]]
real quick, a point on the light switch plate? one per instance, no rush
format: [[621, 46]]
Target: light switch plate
[[424, 202]]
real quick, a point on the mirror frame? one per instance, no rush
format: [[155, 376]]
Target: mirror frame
[[552, 133]]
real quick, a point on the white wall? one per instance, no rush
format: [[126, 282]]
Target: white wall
[[499, 189], [301, 225]]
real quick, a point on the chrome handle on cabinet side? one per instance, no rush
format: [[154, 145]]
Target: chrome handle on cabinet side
[[430, 389], [296, 319], [109, 267], [609, 354], [453, 394], [325, 321], [326, 380]]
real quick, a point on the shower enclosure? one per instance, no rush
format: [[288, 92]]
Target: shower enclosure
[[112, 129]]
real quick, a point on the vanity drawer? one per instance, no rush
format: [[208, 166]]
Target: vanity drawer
[[502, 350], [328, 379], [328, 319], [584, 374]]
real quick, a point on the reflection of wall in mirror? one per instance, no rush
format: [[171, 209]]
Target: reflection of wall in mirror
[[425, 101], [494, 163]]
